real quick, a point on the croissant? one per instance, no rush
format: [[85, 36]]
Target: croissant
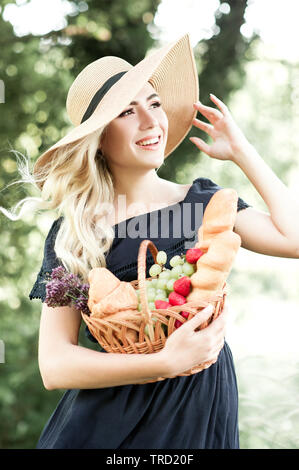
[[219, 244], [109, 297], [101, 283]]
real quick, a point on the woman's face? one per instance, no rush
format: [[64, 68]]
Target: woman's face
[[144, 119]]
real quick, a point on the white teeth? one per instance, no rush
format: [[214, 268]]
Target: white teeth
[[150, 141]]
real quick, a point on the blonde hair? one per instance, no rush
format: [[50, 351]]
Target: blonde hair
[[78, 184]]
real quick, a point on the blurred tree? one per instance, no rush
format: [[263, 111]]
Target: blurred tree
[[37, 72], [220, 64]]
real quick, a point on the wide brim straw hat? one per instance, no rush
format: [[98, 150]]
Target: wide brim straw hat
[[106, 86]]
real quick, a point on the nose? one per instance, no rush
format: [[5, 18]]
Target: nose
[[147, 118]]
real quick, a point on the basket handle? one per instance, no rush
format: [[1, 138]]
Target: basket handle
[[146, 313]]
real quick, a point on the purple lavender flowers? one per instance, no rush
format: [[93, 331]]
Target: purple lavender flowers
[[63, 289]]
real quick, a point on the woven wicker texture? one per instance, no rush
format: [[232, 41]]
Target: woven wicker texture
[[125, 333]]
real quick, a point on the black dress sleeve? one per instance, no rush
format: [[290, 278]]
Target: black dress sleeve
[[208, 186], [50, 262]]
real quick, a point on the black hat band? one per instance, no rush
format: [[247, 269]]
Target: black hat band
[[100, 94]]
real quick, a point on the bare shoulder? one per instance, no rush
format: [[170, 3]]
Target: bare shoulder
[[178, 191]]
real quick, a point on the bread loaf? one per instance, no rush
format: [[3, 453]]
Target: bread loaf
[[219, 216], [213, 267], [219, 244]]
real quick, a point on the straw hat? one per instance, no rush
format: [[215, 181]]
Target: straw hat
[[106, 86]]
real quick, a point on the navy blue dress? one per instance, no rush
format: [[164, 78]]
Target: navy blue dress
[[198, 411]]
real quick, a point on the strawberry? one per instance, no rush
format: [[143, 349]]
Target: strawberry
[[182, 285], [176, 299], [193, 254], [184, 314], [177, 324], [162, 304]]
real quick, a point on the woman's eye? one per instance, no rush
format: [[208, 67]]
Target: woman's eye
[[157, 103]]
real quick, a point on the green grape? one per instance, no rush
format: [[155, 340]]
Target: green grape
[[139, 308], [175, 260], [188, 269], [183, 258], [165, 274], [160, 291], [169, 285], [153, 282], [176, 271], [161, 284], [161, 257], [155, 270], [160, 294], [151, 294], [151, 305], [150, 288]]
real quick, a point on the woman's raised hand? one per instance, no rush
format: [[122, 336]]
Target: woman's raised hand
[[228, 139], [186, 348]]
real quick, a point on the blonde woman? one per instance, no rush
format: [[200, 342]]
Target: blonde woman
[[127, 120]]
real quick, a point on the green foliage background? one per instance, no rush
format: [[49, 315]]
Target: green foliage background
[[37, 72]]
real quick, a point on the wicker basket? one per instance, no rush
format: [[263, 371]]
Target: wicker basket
[[112, 335]]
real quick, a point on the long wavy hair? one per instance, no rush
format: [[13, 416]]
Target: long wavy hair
[[78, 185]]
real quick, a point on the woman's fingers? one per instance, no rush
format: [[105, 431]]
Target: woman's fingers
[[201, 144], [203, 126], [218, 325], [223, 108], [212, 114], [200, 317]]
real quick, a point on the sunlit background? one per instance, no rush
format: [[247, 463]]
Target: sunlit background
[[275, 20], [263, 331]]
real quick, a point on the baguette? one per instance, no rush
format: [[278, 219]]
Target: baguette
[[220, 246], [219, 216], [213, 267]]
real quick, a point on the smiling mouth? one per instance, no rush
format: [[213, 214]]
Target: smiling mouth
[[151, 146]]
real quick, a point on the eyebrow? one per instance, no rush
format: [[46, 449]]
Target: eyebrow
[[147, 99]]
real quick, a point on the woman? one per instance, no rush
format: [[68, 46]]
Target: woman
[[83, 176]]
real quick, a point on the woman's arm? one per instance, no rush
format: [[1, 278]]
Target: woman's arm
[[276, 233], [273, 234], [64, 364]]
